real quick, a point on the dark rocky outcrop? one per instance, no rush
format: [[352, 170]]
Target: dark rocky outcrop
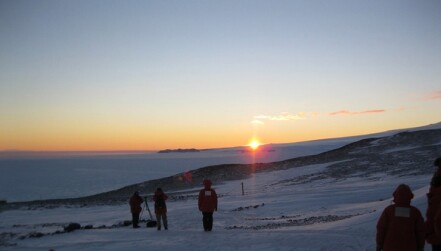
[[190, 150], [72, 227]]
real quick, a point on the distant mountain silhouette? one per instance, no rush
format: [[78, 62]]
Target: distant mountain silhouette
[[179, 150]]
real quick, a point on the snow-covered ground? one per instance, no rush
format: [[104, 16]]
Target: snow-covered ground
[[279, 210], [272, 215]]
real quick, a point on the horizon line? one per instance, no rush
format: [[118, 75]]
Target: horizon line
[[202, 149]]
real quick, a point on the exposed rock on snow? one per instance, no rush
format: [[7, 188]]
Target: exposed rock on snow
[[298, 222], [48, 229], [249, 207], [72, 227]]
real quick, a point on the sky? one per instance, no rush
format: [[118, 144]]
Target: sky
[[148, 75]]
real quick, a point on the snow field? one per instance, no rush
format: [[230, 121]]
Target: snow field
[[324, 214]]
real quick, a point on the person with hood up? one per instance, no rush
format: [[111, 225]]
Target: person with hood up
[[401, 226], [160, 208], [207, 204], [433, 215], [135, 208]]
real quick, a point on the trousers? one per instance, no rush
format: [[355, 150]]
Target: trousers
[[162, 217], [207, 220]]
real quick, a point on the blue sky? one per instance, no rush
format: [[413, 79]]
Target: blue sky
[[91, 75]]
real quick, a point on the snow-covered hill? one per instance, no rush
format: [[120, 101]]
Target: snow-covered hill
[[79, 174], [327, 201], [405, 153]]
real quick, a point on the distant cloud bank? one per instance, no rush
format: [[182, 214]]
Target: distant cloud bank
[[433, 95], [346, 112], [285, 116], [282, 117]]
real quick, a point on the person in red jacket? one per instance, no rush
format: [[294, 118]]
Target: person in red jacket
[[135, 208], [160, 208], [433, 233], [207, 204], [401, 226]]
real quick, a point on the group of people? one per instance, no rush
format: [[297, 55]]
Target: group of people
[[401, 226], [207, 203]]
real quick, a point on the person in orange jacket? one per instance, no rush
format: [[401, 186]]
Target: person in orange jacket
[[207, 203], [135, 208], [433, 233], [160, 208], [401, 226]]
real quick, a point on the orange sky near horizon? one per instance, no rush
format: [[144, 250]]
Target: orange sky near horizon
[[152, 75], [119, 138]]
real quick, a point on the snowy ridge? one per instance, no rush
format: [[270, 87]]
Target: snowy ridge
[[327, 201], [405, 153]]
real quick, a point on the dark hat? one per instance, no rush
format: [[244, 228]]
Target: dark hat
[[207, 183], [403, 194]]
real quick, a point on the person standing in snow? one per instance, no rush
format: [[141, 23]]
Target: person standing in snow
[[135, 208], [433, 214], [160, 208], [401, 226], [207, 204]]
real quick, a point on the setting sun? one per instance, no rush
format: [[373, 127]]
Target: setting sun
[[254, 144]]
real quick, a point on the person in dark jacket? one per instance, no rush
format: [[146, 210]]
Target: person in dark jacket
[[160, 208], [207, 204], [135, 208], [433, 230], [401, 226]]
